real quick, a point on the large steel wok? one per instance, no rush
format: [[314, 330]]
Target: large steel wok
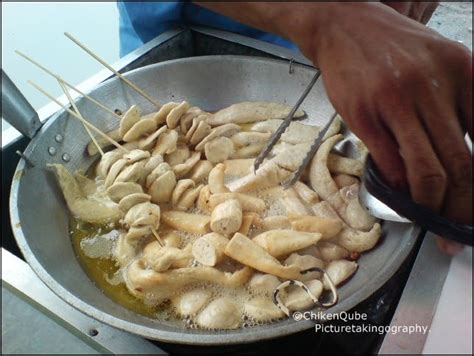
[[40, 216]]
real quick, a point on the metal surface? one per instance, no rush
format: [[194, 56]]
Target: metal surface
[[19, 278], [17, 110], [419, 300], [40, 219], [175, 43], [446, 20], [309, 155], [264, 48], [284, 125], [169, 45], [316, 302], [351, 146], [377, 208]]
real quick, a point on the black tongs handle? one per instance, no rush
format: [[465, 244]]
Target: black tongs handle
[[402, 203]]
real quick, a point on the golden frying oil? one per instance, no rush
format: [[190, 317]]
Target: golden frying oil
[[102, 270]]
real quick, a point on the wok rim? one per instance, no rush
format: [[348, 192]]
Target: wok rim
[[186, 336]]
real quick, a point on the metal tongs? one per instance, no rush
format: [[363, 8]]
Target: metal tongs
[[284, 125], [375, 194]]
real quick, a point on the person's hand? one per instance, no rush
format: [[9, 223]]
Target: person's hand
[[406, 92], [420, 11]]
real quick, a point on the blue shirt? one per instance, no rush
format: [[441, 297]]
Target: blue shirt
[[142, 21]]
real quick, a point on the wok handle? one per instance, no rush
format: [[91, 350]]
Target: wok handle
[[17, 110], [402, 203]]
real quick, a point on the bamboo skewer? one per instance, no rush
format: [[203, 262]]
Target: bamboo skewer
[[84, 121], [63, 87], [160, 241], [109, 67], [73, 104], [46, 70]]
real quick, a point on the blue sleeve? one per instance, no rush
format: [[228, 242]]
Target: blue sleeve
[[198, 15], [141, 21]]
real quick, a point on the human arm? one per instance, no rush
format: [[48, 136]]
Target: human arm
[[405, 90]]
